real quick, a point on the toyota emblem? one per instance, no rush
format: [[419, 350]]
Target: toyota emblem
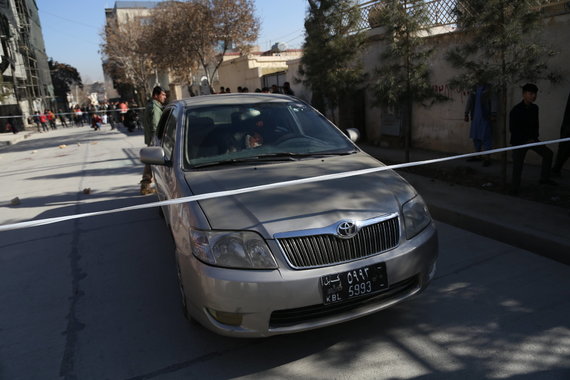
[[347, 229]]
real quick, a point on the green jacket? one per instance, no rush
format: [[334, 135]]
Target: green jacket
[[152, 114]]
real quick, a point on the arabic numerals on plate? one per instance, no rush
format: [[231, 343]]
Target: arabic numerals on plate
[[359, 289]]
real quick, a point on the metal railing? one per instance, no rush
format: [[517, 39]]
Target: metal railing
[[442, 12]]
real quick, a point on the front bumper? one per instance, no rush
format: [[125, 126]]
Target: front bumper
[[286, 300]]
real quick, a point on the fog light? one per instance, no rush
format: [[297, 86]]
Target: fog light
[[232, 319]]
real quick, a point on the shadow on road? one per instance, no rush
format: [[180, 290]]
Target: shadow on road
[[119, 303]]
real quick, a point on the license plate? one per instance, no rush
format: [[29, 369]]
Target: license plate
[[343, 286]]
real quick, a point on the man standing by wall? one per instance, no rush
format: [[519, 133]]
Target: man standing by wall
[[151, 117], [523, 124]]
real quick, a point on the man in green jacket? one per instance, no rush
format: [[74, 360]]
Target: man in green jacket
[[151, 117]]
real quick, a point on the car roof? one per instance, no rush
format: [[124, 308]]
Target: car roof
[[231, 99]]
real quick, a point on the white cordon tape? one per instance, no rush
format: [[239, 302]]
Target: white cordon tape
[[219, 194]]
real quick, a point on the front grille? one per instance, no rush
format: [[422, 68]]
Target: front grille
[[322, 250], [291, 317]]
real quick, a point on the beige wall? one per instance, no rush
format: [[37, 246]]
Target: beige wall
[[131, 14], [441, 127], [247, 70]]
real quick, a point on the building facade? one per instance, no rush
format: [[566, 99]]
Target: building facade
[[26, 84], [258, 69]]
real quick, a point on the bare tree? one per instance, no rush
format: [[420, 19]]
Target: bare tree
[[128, 58], [168, 47], [198, 33]]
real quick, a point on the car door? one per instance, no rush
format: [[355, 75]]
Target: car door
[[163, 174]]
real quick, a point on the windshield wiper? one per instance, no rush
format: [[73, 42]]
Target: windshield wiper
[[252, 159], [282, 156]]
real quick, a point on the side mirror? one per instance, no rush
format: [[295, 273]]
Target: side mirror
[[353, 134], [153, 155]]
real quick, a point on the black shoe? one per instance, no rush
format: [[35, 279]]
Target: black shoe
[[548, 182], [555, 173], [487, 163]]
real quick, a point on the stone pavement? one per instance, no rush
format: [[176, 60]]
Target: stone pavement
[[537, 226]]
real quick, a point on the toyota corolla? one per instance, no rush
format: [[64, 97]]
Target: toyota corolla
[[290, 242]]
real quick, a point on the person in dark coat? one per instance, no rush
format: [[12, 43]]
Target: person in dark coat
[[523, 125], [563, 147]]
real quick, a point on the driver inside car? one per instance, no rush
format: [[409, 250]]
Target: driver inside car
[[262, 131], [254, 138]]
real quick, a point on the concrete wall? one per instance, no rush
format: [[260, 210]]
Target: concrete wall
[[246, 71], [441, 127], [294, 78]]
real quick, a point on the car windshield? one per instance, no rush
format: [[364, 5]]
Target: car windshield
[[225, 134]]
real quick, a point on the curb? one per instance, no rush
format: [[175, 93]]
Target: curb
[[494, 215], [521, 238]]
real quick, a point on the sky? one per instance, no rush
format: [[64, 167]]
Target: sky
[[72, 29]]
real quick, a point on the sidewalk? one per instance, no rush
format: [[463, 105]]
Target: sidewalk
[[484, 208], [11, 138]]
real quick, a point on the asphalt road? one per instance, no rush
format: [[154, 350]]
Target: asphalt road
[[96, 298]]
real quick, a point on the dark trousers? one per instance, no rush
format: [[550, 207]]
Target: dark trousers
[[563, 149], [518, 161], [562, 156]]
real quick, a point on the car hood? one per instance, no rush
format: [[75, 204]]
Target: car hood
[[298, 207]]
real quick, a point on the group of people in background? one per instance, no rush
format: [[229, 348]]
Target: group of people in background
[[274, 89], [524, 128], [45, 120], [93, 115]]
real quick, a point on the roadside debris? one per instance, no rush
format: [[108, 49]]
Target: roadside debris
[[15, 201]]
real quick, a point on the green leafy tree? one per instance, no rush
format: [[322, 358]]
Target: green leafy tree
[[330, 64], [502, 47], [63, 76], [402, 77]]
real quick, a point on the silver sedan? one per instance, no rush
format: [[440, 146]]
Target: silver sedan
[[287, 258]]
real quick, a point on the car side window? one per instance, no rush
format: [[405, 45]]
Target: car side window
[[169, 136], [162, 123]]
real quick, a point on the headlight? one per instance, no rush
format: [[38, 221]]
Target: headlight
[[240, 249], [416, 216]]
